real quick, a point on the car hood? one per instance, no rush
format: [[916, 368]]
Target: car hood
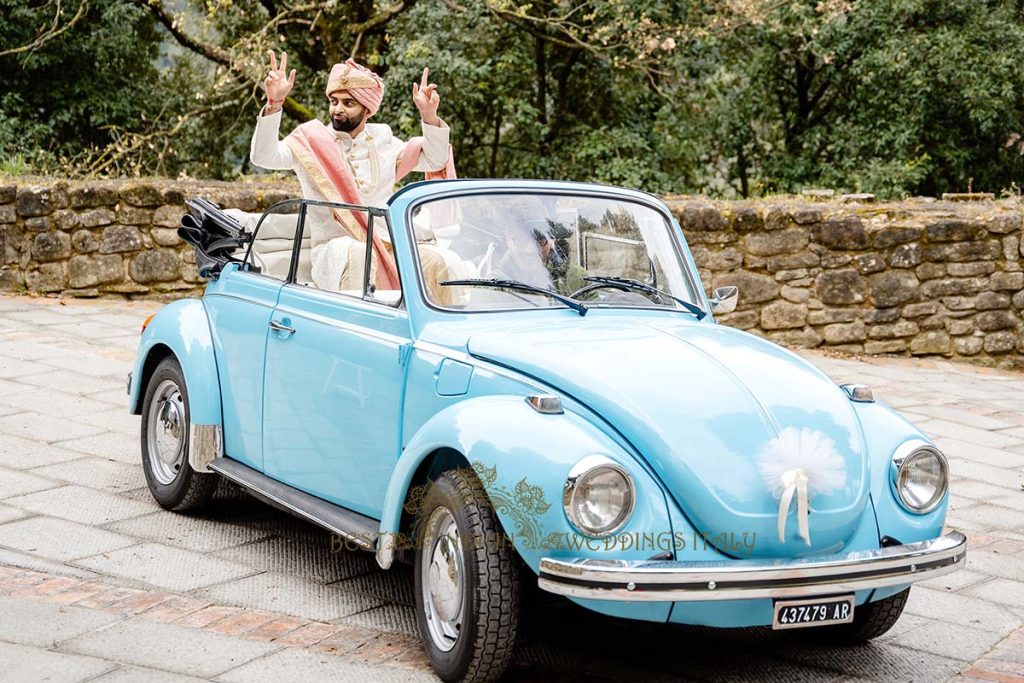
[[705, 405]]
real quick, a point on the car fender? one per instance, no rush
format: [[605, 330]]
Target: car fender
[[182, 328], [523, 457]]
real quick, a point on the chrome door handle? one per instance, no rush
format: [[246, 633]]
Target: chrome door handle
[[276, 326]]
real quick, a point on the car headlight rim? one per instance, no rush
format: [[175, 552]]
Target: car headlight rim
[[585, 470], [907, 456]]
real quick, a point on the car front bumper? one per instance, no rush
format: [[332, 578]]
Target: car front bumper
[[666, 580]]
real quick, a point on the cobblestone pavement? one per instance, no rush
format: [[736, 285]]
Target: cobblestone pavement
[[98, 583]]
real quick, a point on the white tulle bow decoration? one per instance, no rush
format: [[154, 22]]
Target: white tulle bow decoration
[[799, 462]]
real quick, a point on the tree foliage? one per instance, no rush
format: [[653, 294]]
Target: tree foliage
[[727, 97]]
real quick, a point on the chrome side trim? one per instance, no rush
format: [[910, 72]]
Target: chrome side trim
[[641, 580], [205, 442]]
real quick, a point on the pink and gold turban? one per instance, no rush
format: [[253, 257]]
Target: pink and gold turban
[[366, 87]]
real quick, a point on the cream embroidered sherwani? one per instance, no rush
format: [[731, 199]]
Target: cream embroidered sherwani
[[373, 157]]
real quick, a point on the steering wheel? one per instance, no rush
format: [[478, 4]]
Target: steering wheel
[[621, 293]]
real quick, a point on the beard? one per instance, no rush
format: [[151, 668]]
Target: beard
[[343, 124]]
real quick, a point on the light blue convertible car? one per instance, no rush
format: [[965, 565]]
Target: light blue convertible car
[[524, 380]]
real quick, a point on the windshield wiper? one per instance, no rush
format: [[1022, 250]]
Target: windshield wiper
[[577, 306], [628, 283]]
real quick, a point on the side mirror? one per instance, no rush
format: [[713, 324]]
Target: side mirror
[[724, 299]]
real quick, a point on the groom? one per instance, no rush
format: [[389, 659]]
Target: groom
[[351, 161]]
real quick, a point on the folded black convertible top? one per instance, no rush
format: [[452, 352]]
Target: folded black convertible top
[[215, 236]]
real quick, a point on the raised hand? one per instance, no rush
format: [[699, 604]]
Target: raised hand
[[278, 82], [426, 99]]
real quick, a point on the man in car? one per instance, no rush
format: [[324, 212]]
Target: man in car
[[350, 161]]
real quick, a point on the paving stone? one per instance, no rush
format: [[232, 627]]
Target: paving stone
[[950, 640], [44, 428], [54, 403], [996, 564], [59, 539], [879, 661], [117, 420], [392, 618], [138, 674], [274, 592], [81, 504], [19, 453], [995, 457], [25, 663], [9, 514], [964, 417], [991, 517], [96, 473], [303, 557], [1002, 591], [190, 532], [15, 483], [12, 367], [970, 434], [93, 365], [307, 666], [165, 567], [960, 608], [957, 580], [70, 382], [110, 445], [44, 624], [169, 647]]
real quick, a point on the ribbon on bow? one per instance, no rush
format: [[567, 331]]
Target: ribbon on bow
[[794, 482]]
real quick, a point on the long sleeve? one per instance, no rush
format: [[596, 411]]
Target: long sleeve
[[434, 156], [266, 149]]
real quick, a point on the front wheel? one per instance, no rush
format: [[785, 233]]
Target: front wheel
[[870, 620], [165, 434], [467, 584]]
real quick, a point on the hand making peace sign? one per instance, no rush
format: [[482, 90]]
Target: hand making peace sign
[[277, 84], [426, 99]]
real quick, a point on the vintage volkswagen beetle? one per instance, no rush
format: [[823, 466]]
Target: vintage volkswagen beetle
[[546, 387]]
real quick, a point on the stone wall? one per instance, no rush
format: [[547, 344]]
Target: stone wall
[[919, 277]]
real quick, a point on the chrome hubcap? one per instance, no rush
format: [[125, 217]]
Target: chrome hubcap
[[165, 430], [442, 579]]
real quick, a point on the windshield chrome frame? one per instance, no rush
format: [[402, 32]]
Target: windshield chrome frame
[[656, 206]]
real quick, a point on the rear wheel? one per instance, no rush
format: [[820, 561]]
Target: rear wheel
[[467, 583], [165, 434], [870, 620]]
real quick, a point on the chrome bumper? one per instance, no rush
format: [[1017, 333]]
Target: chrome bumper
[[747, 579]]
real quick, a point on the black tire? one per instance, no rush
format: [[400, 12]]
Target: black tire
[[187, 489], [490, 591], [870, 620]]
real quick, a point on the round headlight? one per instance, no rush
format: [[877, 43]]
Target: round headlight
[[922, 476], [598, 496]]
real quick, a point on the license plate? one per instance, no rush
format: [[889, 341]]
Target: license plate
[[813, 612]]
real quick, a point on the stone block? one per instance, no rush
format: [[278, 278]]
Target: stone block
[[1006, 282], [11, 280], [960, 303], [48, 278], [177, 195], [168, 237], [119, 238], [881, 315], [806, 215], [744, 219], [841, 233], [89, 271], [807, 338], [753, 288], [155, 265], [869, 263], [990, 321], [958, 328], [695, 216], [934, 322], [8, 213], [987, 301], [1000, 342], [84, 242], [933, 289], [888, 346], [776, 217], [931, 342], [140, 194], [846, 333], [827, 316], [96, 218], [785, 241], [968, 346], [711, 237], [844, 286], [1004, 223], [892, 235], [10, 243], [35, 201], [954, 231], [791, 275], [742, 320], [963, 251], [38, 223], [835, 260], [51, 246], [903, 328], [92, 196], [133, 215], [803, 259], [783, 315], [893, 288], [930, 271], [797, 295], [971, 269], [906, 256], [66, 219], [1011, 248], [169, 216], [8, 193]]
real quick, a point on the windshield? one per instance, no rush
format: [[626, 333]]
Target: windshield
[[555, 242]]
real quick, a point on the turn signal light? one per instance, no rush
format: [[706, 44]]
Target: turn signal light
[[145, 323]]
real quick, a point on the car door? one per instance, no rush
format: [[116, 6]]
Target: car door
[[334, 380], [239, 304]]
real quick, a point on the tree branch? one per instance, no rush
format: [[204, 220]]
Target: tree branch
[[53, 32]]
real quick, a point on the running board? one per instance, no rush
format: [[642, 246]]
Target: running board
[[353, 526]]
